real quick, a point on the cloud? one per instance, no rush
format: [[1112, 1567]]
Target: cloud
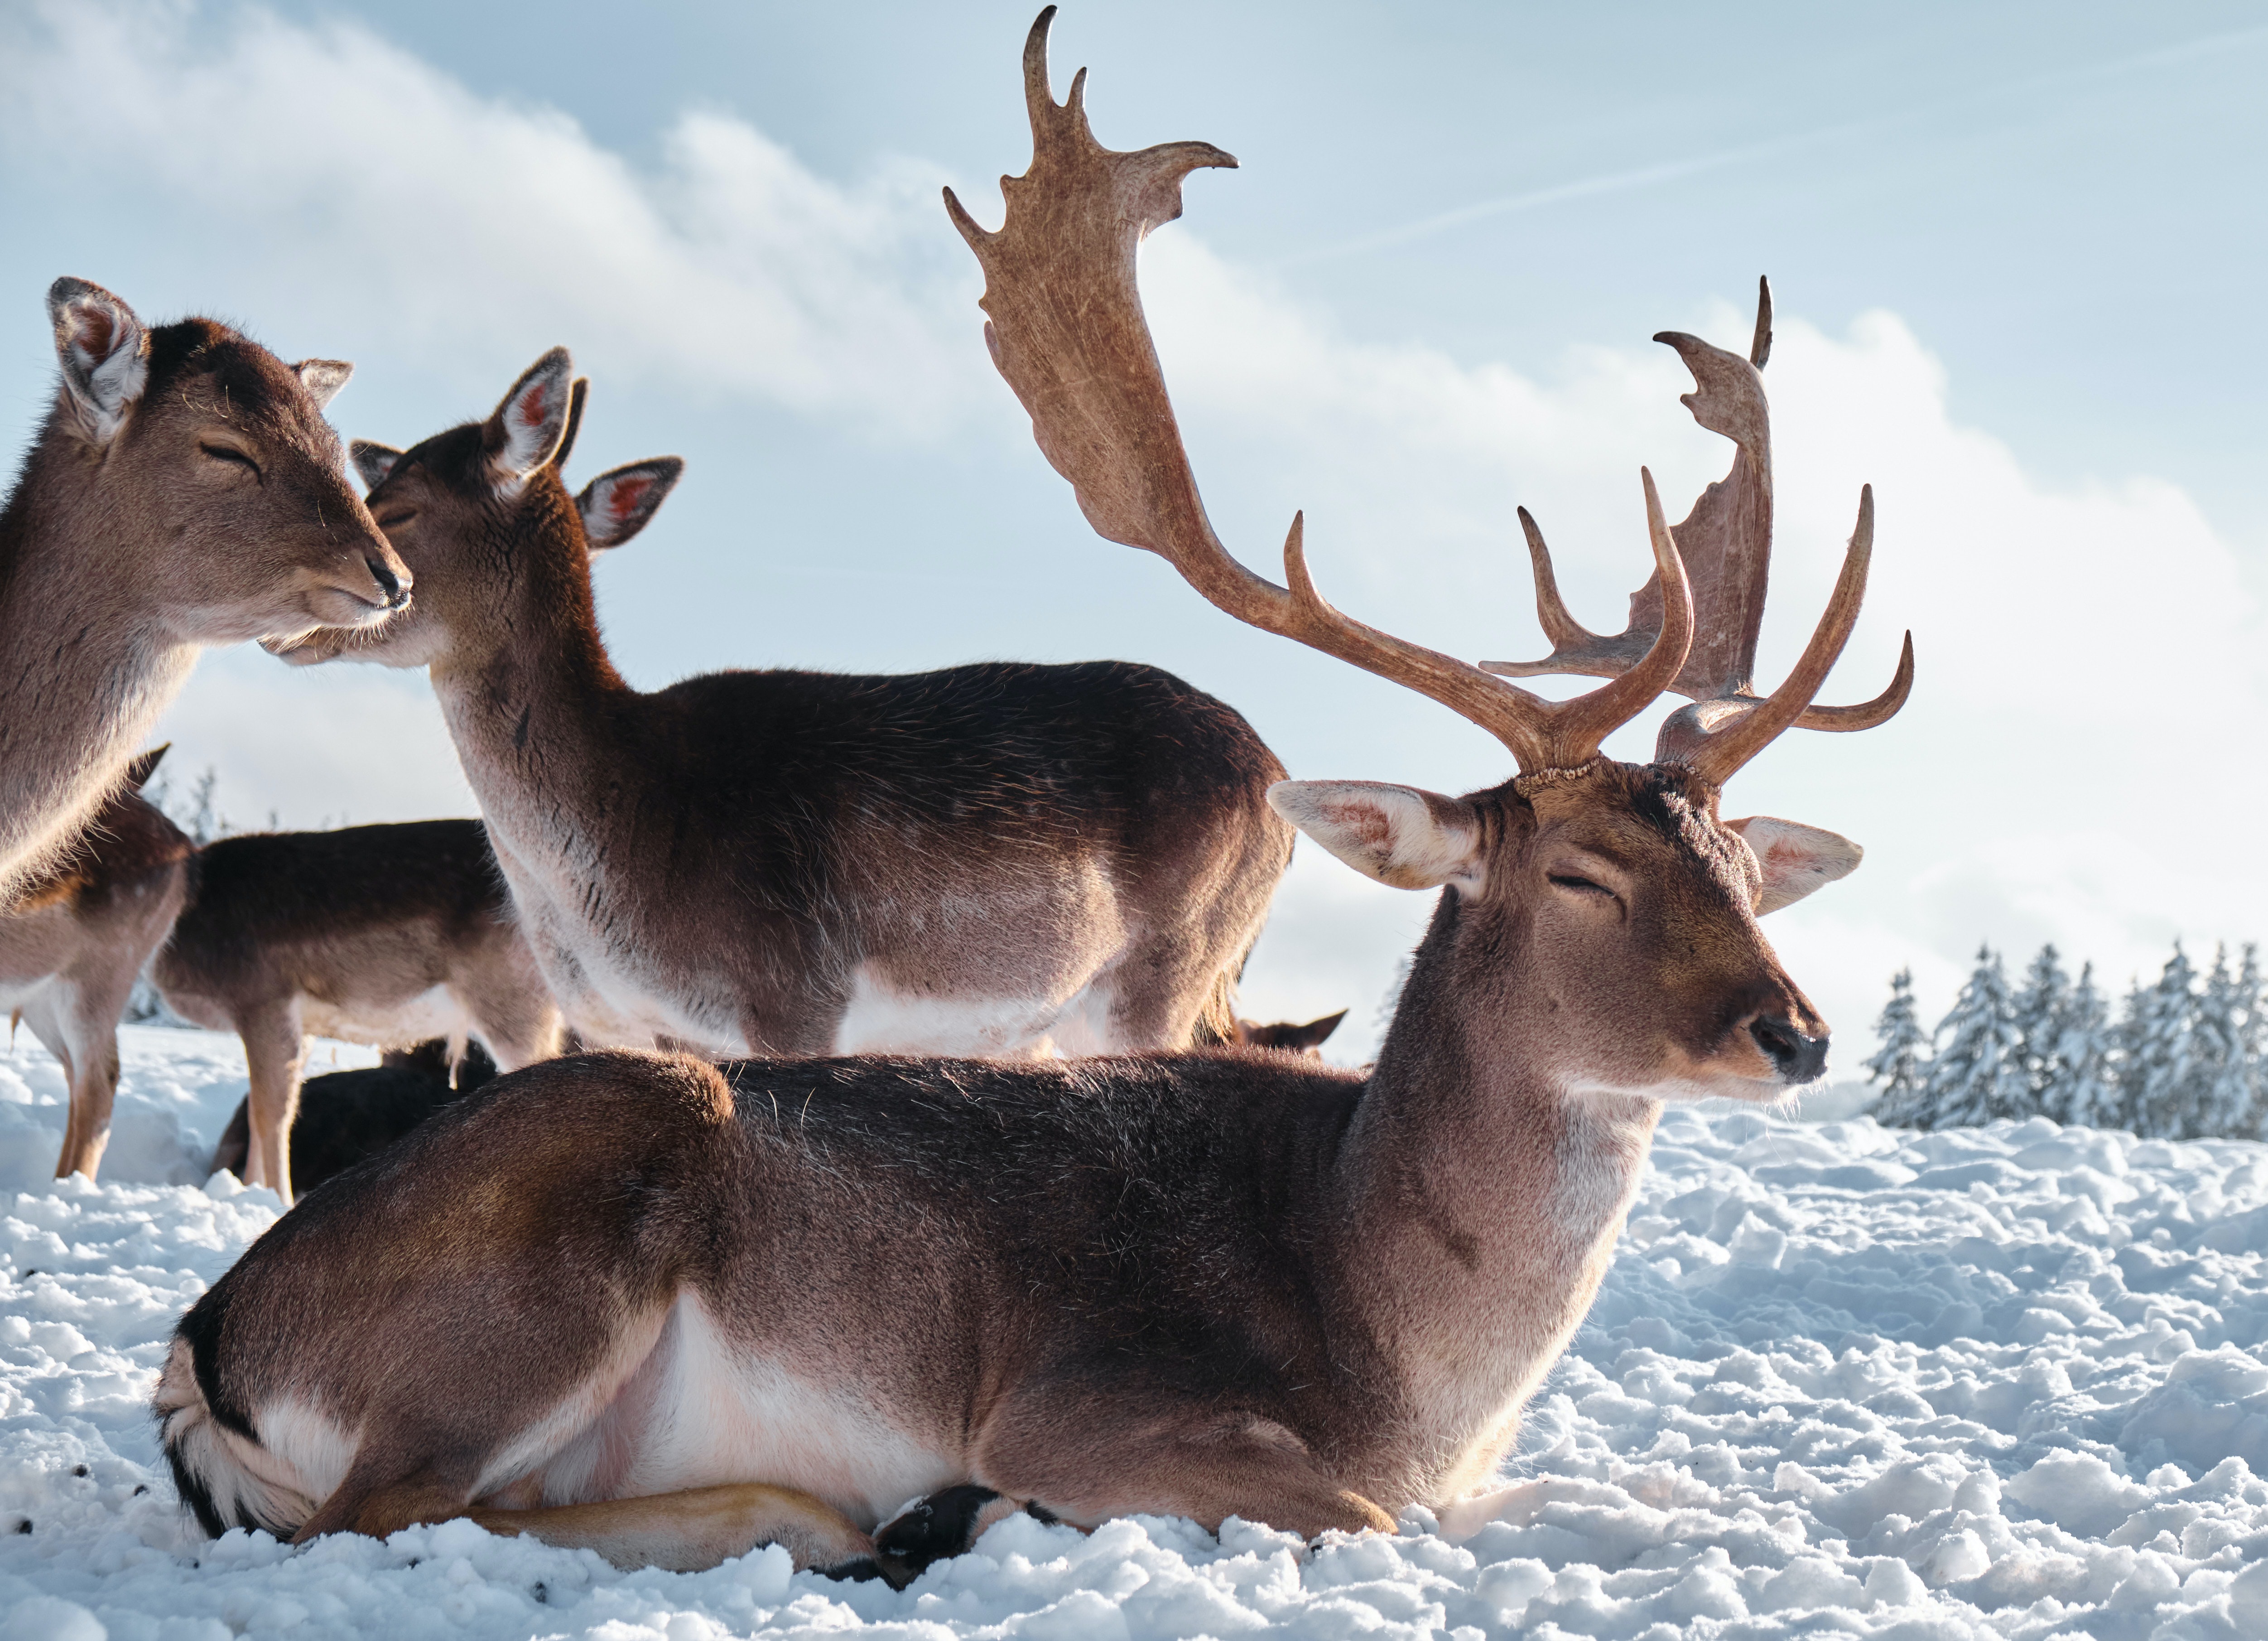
[[323, 158], [2074, 766]]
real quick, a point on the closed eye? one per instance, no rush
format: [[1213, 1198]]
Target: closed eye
[[1581, 886], [395, 521], [231, 454]]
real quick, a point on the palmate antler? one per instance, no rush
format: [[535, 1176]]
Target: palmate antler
[[1066, 329], [1726, 542]]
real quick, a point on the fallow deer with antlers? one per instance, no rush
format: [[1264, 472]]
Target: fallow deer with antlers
[[986, 859], [184, 490], [693, 1308], [380, 935], [76, 937]]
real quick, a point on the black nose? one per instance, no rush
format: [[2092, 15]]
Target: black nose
[[1797, 1057], [389, 583]]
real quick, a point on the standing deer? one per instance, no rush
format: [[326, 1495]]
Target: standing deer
[[73, 940], [667, 1311], [184, 490], [379, 935], [987, 859]]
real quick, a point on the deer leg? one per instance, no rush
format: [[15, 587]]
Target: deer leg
[[89, 1030], [1201, 1465], [44, 1012], [694, 1530], [274, 1051]]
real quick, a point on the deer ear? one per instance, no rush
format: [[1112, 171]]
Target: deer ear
[[616, 506], [527, 428], [1403, 837], [374, 461], [323, 378], [579, 399], [104, 353], [1795, 859], [138, 771]]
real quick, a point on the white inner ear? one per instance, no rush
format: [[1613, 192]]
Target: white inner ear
[[1795, 859], [1404, 837], [323, 378], [373, 461], [535, 420], [613, 505], [105, 361]]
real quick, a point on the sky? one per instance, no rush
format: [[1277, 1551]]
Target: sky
[[2015, 250]]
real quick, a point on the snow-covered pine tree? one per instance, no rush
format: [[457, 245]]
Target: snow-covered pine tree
[[2038, 1007], [2254, 1037], [1976, 1076], [2225, 1079], [2081, 1081], [1901, 1062], [2160, 1047]]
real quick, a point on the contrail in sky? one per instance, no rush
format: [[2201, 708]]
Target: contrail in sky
[[1668, 171]]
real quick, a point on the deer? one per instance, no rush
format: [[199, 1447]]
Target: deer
[[996, 859], [1289, 1037], [383, 935], [657, 1307], [75, 938], [346, 1116], [183, 491]]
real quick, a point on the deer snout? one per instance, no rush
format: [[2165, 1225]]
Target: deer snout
[[396, 588], [1797, 1056]]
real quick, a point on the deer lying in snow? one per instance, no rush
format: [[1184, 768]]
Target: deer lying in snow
[[670, 1311], [345, 1117], [988, 860], [75, 938], [184, 490], [379, 935]]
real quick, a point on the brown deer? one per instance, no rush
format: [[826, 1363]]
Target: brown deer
[[345, 1117], [379, 935], [988, 860], [1290, 1036], [184, 490], [667, 1311], [75, 938]]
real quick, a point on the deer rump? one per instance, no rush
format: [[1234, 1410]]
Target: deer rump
[[866, 1280]]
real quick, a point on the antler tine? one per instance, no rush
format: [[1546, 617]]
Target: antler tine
[[1715, 737], [1066, 329], [1727, 543]]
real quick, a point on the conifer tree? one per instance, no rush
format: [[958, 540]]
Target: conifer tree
[[1976, 1074], [2159, 1072], [2225, 1079], [2038, 1007], [2081, 1083], [1901, 1062]]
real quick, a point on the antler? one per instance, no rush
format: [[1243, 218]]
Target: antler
[[1066, 330], [1727, 545]]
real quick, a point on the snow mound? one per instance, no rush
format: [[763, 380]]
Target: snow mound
[[2009, 1382]]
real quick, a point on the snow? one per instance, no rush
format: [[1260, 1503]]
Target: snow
[[2009, 1381]]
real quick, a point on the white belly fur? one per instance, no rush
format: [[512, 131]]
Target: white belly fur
[[433, 1012], [701, 1413], [882, 1020]]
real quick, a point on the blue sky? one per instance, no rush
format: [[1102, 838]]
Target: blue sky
[[2016, 249]]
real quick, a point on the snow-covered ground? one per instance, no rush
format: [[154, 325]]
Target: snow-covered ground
[[2009, 1382]]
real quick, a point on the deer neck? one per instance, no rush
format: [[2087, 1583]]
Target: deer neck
[[1486, 1196], [85, 669], [537, 712]]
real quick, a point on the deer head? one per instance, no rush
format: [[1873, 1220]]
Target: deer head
[[1601, 918], [447, 505], [219, 453]]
